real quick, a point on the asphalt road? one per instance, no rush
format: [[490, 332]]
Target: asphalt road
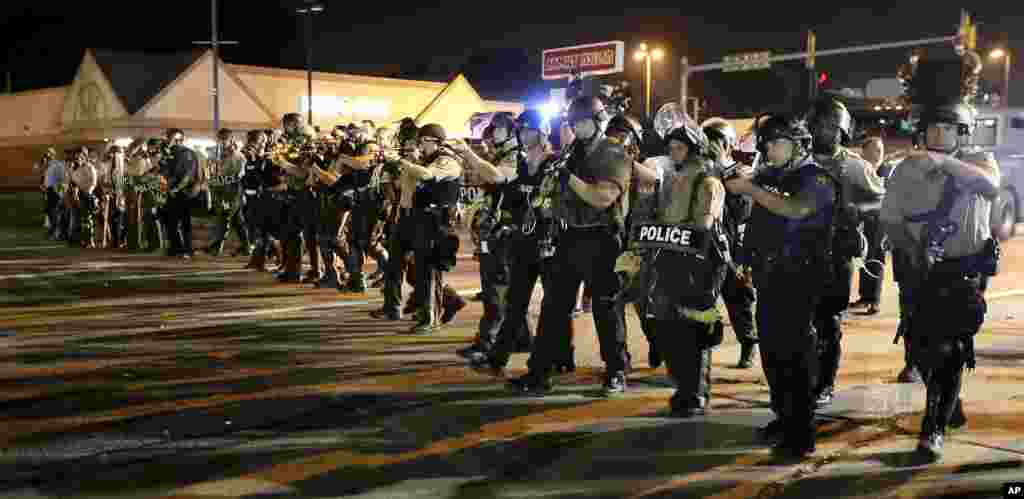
[[140, 376]]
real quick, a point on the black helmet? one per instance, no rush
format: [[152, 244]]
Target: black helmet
[[291, 118], [958, 114], [504, 120], [628, 125], [532, 119], [718, 129], [774, 126], [831, 110], [587, 107], [434, 131], [690, 134], [488, 133]]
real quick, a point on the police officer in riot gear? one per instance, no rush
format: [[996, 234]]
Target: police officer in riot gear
[[500, 223], [401, 233], [257, 182], [302, 204], [862, 189], [493, 260], [430, 195], [937, 215], [592, 202], [677, 262], [227, 199], [526, 236], [737, 289], [787, 249], [642, 205], [365, 203]]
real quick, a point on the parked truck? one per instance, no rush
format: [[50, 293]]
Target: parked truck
[[1001, 131]]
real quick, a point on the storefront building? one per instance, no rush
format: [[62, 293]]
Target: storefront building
[[116, 96]]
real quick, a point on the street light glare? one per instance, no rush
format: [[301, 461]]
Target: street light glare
[[996, 54], [643, 47], [656, 54], [639, 55]]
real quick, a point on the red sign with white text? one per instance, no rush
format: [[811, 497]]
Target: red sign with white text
[[593, 59]]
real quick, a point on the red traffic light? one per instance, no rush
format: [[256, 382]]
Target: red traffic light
[[822, 77]]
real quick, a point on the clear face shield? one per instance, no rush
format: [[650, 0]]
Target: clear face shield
[[585, 129]]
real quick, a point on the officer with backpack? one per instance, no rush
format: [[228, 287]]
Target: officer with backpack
[[676, 263], [790, 224], [937, 214], [831, 127]]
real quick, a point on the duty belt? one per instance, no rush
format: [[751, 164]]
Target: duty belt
[[251, 192]]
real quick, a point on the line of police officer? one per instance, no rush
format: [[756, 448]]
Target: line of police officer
[[803, 240], [341, 197]]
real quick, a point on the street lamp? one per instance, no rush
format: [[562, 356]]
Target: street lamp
[[995, 55], [646, 56], [308, 12]]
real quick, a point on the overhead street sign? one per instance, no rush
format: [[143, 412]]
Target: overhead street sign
[[592, 59], [749, 61]]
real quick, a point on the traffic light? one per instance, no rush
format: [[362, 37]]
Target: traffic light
[[822, 78]]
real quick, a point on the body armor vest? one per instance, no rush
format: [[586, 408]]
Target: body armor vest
[[771, 236], [436, 192]]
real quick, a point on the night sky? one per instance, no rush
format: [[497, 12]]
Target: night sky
[[499, 44]]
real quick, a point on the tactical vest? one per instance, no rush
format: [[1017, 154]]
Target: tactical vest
[[253, 178], [436, 192], [605, 160], [773, 237]]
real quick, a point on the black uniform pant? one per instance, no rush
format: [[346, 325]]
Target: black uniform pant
[[871, 287], [908, 281], [495, 283], [429, 278], [303, 216], [942, 340], [828, 321], [253, 219], [400, 241], [583, 255], [364, 218], [526, 268], [788, 296], [683, 345], [177, 218], [739, 298], [53, 210]]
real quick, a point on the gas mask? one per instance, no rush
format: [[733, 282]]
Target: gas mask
[[826, 138]]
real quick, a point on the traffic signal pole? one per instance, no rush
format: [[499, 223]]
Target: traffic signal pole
[[687, 69]]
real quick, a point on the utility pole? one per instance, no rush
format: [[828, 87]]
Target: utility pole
[[215, 44], [687, 69], [307, 13]]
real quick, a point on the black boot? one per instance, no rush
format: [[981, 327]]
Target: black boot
[[930, 443]]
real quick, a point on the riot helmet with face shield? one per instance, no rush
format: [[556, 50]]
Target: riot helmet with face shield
[[587, 116], [782, 139], [830, 125], [532, 128]]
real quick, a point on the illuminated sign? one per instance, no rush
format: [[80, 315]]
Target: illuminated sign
[[329, 105], [593, 59]]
